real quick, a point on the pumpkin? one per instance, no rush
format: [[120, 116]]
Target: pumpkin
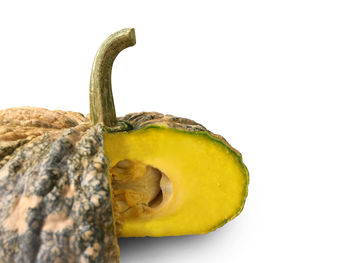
[[70, 185]]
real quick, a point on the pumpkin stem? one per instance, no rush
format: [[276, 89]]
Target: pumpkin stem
[[101, 97]]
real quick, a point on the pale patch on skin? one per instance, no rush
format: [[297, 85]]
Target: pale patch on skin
[[68, 191], [87, 235], [17, 219], [90, 176], [57, 222], [83, 259], [3, 173], [95, 199], [94, 183], [94, 250], [98, 166]]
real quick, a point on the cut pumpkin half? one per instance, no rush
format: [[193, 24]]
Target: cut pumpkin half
[[169, 182]]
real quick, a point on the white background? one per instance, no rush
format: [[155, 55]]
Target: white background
[[272, 77]]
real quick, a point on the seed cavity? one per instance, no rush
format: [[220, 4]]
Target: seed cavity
[[139, 190]]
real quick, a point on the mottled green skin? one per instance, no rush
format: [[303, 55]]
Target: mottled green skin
[[55, 200], [142, 119]]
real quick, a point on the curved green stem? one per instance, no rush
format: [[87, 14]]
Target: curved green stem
[[101, 97]]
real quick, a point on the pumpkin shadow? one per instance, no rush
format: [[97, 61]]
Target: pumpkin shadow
[[136, 249]]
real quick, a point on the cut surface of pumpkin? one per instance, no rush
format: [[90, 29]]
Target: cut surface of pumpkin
[[169, 182]]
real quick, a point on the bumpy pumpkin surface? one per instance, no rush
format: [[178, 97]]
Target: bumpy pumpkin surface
[[54, 189], [70, 185]]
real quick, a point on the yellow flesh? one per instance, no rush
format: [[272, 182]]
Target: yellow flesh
[[207, 178]]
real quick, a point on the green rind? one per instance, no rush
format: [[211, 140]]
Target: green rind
[[235, 153]]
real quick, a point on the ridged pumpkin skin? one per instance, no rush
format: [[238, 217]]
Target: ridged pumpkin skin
[[54, 189]]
